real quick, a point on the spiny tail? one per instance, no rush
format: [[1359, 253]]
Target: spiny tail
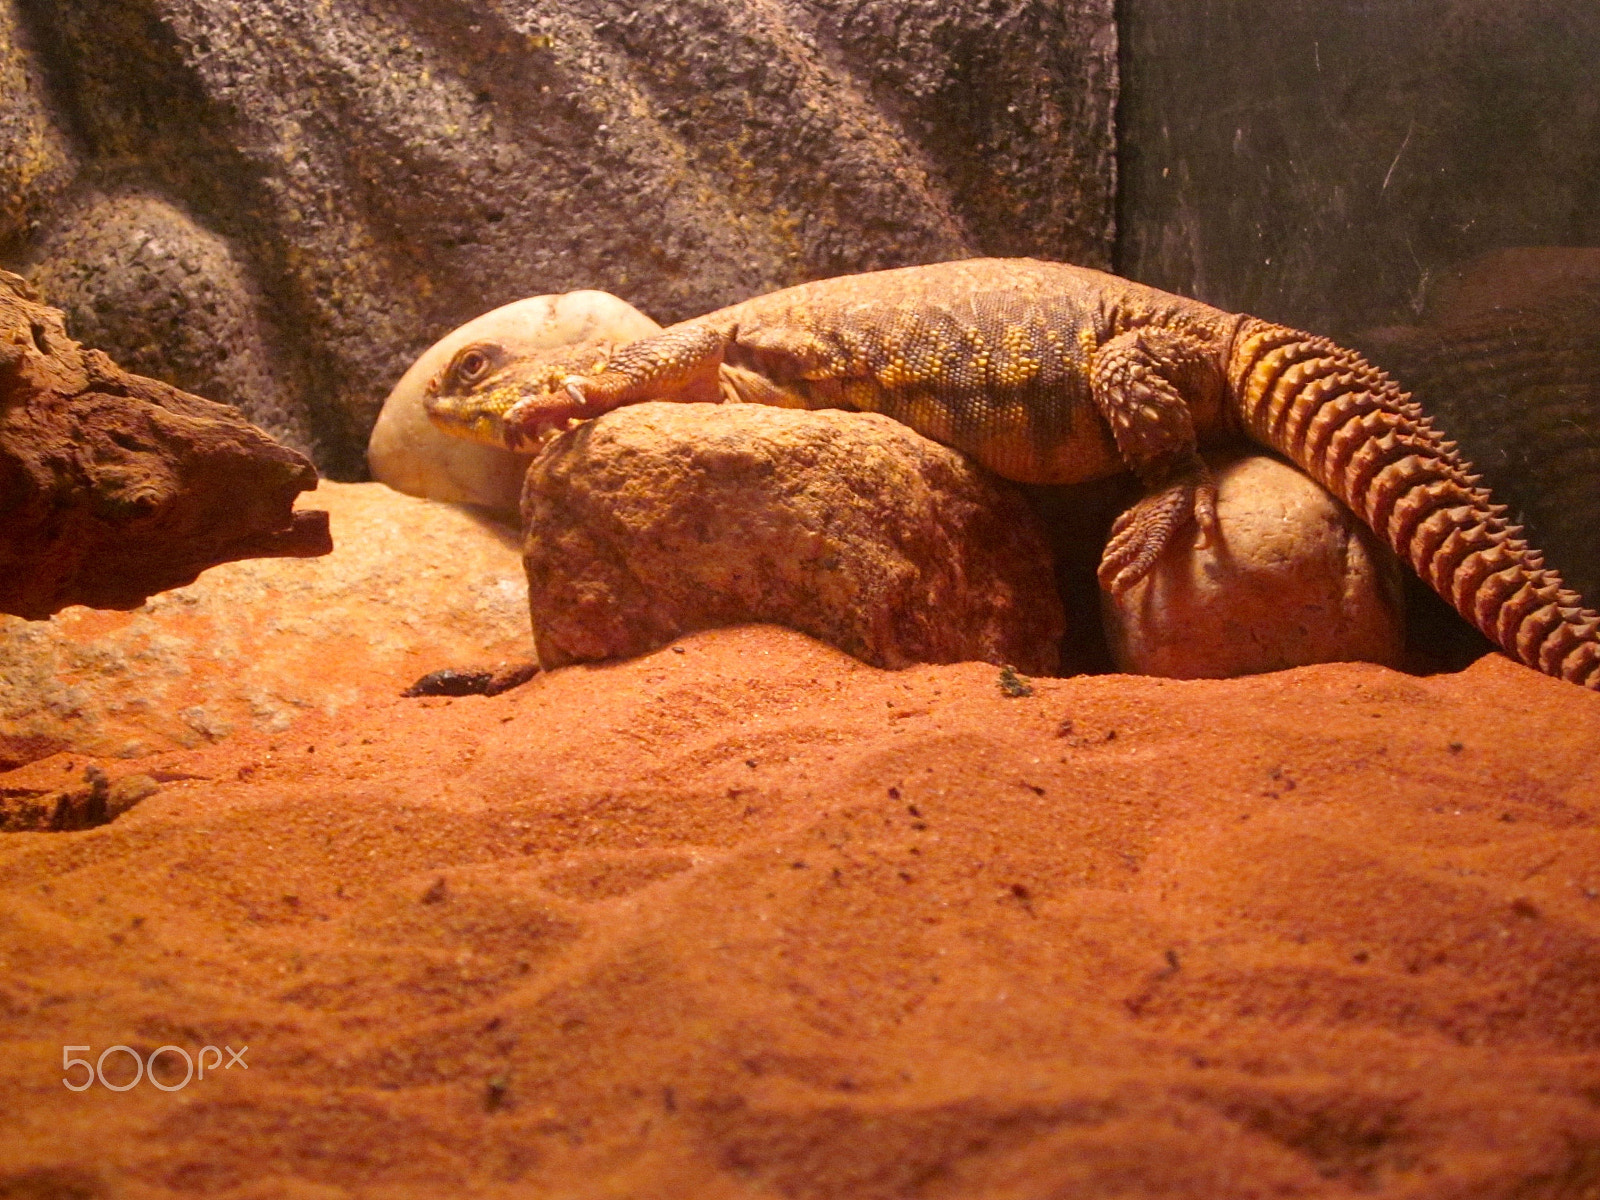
[[1352, 429]]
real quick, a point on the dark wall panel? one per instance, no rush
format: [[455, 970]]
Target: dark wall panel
[[1328, 163]]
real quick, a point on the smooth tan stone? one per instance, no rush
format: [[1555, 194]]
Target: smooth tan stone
[[1296, 579], [409, 454], [659, 519]]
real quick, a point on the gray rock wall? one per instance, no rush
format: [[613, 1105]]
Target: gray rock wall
[[167, 297], [37, 161], [368, 175]]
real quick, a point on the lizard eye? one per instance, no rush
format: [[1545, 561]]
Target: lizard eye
[[472, 364]]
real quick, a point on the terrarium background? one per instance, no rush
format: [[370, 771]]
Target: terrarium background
[[279, 203]]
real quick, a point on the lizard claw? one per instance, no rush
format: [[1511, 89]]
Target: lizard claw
[[1205, 511], [1143, 532], [538, 417]]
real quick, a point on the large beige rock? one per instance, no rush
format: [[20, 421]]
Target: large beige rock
[[663, 518], [1296, 579], [407, 452], [411, 586]]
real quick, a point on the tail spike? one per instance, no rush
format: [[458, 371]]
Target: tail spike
[[1353, 429]]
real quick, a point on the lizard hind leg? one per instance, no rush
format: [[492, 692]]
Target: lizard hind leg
[[1132, 378], [1143, 532]]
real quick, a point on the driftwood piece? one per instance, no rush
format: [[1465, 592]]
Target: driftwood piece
[[114, 487]]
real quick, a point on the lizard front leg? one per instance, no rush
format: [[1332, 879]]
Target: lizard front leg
[[1135, 379], [679, 363]]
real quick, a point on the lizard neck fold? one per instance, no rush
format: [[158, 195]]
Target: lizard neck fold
[[1349, 426]]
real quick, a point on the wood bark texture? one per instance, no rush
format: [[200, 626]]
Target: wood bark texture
[[114, 487]]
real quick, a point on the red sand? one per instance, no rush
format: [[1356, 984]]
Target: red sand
[[746, 918]]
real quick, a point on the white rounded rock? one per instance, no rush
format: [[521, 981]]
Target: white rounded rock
[[407, 452], [1294, 579]]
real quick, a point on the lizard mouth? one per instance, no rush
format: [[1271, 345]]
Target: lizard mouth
[[537, 419]]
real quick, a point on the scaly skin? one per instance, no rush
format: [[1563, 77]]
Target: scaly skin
[[1048, 373]]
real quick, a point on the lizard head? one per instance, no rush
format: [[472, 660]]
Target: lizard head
[[515, 401]]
